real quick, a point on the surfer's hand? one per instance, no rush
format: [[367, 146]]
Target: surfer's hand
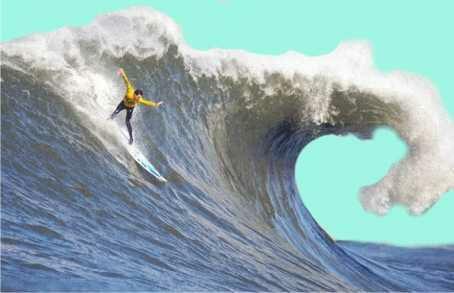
[[159, 103], [120, 71]]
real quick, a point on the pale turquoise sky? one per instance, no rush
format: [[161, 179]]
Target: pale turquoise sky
[[414, 36]]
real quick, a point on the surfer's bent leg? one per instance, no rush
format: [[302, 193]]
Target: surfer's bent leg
[[120, 107], [128, 123]]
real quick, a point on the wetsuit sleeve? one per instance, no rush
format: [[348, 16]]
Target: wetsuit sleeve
[[148, 102]]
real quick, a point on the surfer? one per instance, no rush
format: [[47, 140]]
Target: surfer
[[130, 100]]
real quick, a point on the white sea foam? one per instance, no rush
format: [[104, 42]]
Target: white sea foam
[[68, 58]]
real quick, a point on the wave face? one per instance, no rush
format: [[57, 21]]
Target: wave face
[[78, 213]]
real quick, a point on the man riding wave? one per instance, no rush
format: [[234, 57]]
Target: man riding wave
[[131, 98]]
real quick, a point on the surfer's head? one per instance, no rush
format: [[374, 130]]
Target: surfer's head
[[138, 92]]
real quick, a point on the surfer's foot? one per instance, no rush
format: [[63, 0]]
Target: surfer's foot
[[130, 140]]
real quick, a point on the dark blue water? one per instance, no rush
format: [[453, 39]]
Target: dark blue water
[[79, 214]]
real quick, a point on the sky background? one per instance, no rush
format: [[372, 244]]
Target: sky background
[[413, 36]]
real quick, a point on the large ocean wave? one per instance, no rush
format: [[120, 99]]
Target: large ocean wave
[[78, 213]]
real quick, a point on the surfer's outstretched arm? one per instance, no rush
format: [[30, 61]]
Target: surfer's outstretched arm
[[149, 103], [129, 87]]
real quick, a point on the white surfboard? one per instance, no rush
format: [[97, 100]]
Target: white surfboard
[[143, 161]]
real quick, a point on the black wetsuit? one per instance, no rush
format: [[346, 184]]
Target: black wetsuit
[[129, 111]]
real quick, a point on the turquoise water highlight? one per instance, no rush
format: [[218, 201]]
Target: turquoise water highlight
[[348, 163]]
